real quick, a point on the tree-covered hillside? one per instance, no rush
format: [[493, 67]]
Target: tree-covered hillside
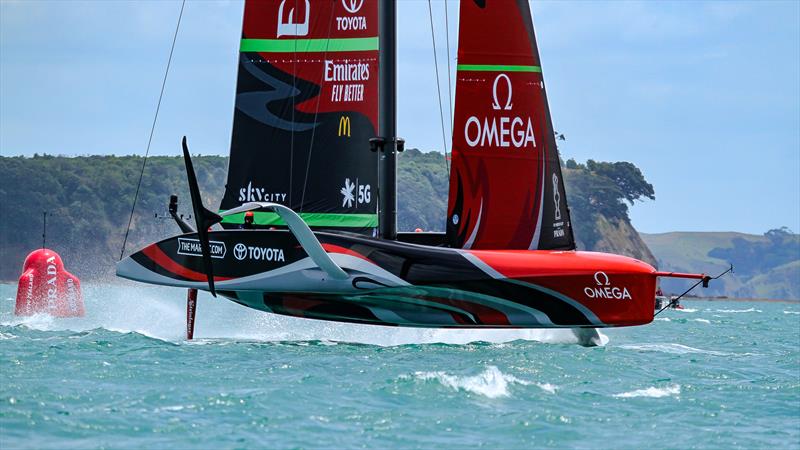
[[89, 199], [765, 266]]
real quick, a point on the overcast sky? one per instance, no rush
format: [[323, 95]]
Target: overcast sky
[[703, 97]]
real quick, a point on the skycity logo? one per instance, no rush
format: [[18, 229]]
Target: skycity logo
[[191, 247], [605, 290], [260, 194], [503, 131], [290, 27]]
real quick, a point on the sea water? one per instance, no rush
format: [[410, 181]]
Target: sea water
[[714, 375]]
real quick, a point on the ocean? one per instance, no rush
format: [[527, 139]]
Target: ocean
[[717, 374]]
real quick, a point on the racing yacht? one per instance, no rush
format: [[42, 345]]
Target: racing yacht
[[313, 157]]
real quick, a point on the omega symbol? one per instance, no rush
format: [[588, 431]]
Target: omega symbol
[[602, 276], [496, 103]]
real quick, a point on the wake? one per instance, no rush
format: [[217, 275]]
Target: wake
[[491, 383], [160, 313]]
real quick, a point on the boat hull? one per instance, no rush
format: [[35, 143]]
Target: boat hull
[[403, 284]]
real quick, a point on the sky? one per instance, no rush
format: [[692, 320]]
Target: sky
[[704, 97]]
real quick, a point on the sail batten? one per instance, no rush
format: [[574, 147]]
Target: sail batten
[[498, 68], [309, 45], [506, 186]]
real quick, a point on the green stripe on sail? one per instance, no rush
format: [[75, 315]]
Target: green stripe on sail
[[309, 45], [498, 68], [312, 219]]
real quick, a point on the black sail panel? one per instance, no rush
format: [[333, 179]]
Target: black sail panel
[[306, 107]]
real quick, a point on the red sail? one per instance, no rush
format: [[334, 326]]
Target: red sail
[[506, 187]]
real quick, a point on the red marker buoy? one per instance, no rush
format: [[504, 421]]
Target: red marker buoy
[[46, 287]]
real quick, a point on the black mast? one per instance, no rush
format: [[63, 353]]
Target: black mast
[[388, 143]]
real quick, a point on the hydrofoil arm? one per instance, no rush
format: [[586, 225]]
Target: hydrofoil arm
[[301, 231]]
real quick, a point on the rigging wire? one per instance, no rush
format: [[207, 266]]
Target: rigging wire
[[294, 97], [704, 280], [449, 72], [438, 88], [316, 113], [152, 130]]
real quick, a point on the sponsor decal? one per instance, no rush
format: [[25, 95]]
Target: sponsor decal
[[501, 129], [29, 294], [241, 252], [257, 194], [605, 290], [558, 225], [556, 198], [352, 6], [291, 27], [351, 22], [344, 126], [72, 296], [355, 193], [191, 247], [348, 78], [52, 290]]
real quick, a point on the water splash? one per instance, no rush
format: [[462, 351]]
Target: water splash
[[159, 313], [491, 383], [652, 392], [748, 310]]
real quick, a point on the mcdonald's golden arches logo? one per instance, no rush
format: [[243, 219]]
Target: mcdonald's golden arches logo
[[344, 126]]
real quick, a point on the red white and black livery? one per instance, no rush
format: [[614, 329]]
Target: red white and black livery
[[313, 156]]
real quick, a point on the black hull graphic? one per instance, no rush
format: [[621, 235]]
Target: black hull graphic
[[402, 284]]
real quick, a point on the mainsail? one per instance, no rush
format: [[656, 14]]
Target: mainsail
[[506, 186], [306, 107]]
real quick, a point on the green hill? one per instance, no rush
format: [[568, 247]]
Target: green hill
[[766, 266], [89, 199]]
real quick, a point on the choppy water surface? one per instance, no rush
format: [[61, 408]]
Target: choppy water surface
[[717, 374]]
